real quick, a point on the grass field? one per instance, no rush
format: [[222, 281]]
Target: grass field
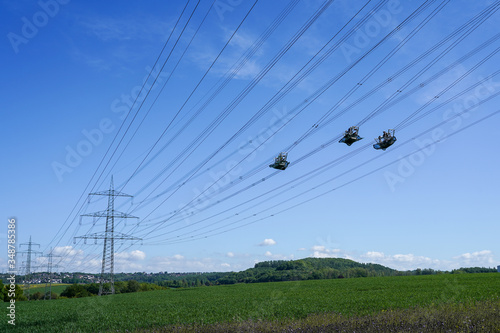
[[283, 302]]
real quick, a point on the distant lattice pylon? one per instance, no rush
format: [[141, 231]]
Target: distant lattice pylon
[[27, 274], [109, 236]]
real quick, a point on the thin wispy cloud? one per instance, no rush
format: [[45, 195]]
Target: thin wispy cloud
[[123, 29], [206, 48]]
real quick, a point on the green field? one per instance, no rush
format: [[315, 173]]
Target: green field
[[240, 303], [56, 288]]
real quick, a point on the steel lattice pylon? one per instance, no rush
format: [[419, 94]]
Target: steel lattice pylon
[[50, 266], [27, 274], [109, 236]]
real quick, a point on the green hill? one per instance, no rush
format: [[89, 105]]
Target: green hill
[[306, 269], [322, 263]]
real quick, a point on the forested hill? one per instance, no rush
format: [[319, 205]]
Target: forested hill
[[313, 264], [305, 269]]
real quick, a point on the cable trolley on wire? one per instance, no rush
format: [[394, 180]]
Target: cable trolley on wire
[[386, 140], [351, 136], [280, 162]]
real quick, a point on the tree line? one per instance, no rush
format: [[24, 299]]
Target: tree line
[[121, 287]]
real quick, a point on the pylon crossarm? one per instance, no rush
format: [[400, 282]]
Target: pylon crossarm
[[103, 235], [112, 193], [97, 235], [121, 236], [116, 214]]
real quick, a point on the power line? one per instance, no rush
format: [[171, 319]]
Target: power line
[[229, 75], [195, 88], [235, 101], [474, 86], [336, 188], [378, 87], [409, 121], [317, 94], [109, 148]]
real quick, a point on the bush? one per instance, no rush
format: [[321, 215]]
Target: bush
[[132, 286], [36, 296], [75, 290]]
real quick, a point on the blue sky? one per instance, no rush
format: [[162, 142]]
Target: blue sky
[[72, 70]]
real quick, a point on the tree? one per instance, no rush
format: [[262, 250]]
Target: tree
[[19, 293], [132, 286], [75, 290], [120, 287], [357, 272], [92, 288], [227, 280], [51, 295], [3, 291], [36, 296]]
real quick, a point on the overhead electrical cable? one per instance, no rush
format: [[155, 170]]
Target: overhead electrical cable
[[492, 9], [192, 238], [418, 11], [195, 88], [160, 92], [474, 86], [201, 137], [230, 74], [378, 87], [280, 93], [109, 148], [324, 88]]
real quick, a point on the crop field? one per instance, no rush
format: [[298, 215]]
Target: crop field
[[56, 288], [278, 302]]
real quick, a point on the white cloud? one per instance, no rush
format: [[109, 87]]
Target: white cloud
[[321, 251], [66, 251], [3, 264], [479, 258], [135, 255], [268, 242], [179, 263], [240, 40], [269, 255], [408, 261], [128, 267], [230, 254], [400, 261], [70, 259], [374, 255]]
